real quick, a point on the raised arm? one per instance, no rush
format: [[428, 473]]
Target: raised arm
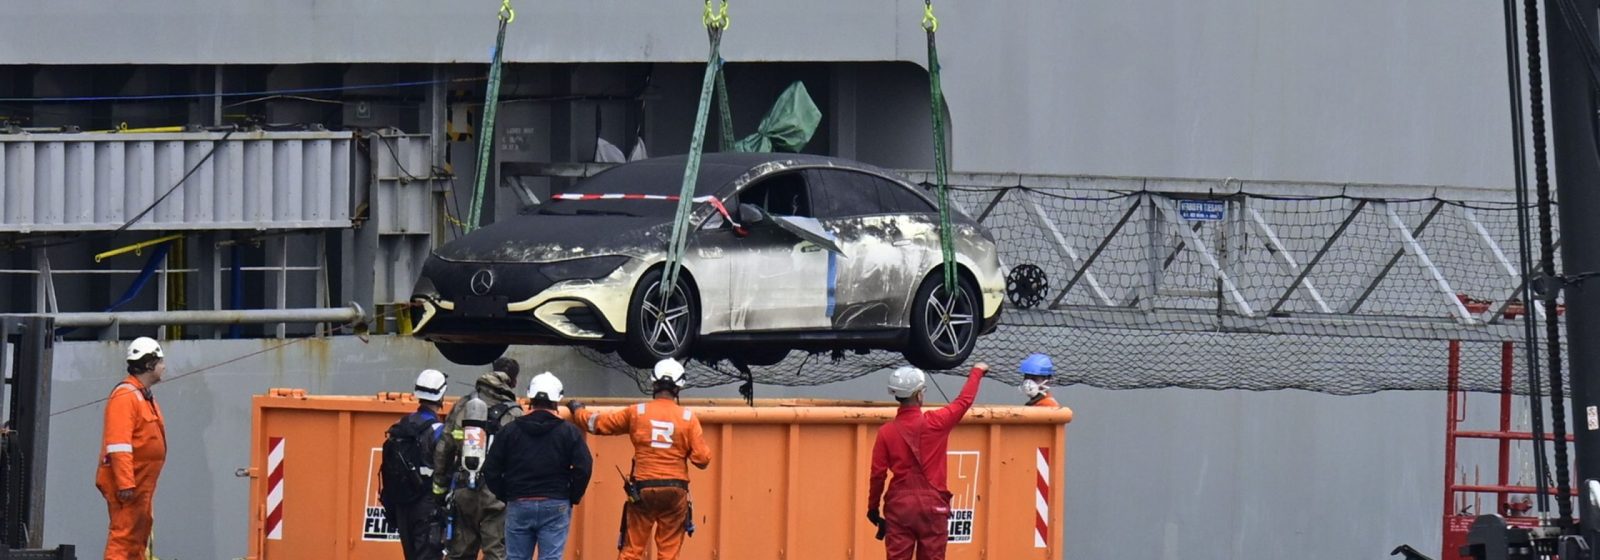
[[946, 418]]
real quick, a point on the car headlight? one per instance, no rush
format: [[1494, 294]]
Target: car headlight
[[584, 268]]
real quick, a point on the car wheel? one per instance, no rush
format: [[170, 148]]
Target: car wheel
[[944, 326], [470, 354], [659, 328]]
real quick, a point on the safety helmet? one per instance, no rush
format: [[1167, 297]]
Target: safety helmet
[[668, 370], [144, 346], [546, 386], [431, 384], [906, 381], [1038, 365]]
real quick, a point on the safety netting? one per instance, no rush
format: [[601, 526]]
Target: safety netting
[[1143, 289]]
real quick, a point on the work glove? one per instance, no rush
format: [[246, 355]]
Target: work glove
[[981, 368], [573, 406], [877, 521]]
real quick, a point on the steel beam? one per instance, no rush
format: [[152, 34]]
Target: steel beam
[[1136, 295], [1317, 259], [1083, 269], [1570, 31], [210, 317], [992, 203], [1403, 234], [1228, 287], [1337, 325], [1471, 218], [1394, 259], [1115, 184], [1513, 294], [1287, 260], [1067, 251]]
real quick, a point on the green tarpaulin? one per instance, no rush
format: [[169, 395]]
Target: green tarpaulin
[[788, 126]]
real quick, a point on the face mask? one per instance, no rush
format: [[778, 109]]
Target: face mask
[[1033, 388]]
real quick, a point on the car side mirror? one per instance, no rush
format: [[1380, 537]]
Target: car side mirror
[[750, 214]]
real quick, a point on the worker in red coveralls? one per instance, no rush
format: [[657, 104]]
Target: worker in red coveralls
[[916, 510]]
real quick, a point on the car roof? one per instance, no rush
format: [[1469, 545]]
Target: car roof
[[664, 175]]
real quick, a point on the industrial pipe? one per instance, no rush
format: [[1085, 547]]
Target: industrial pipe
[[136, 247], [223, 317]]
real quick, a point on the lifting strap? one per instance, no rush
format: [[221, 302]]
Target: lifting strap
[[715, 22], [723, 110], [941, 157], [491, 101]]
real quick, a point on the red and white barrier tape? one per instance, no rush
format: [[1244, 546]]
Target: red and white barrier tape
[[713, 201]]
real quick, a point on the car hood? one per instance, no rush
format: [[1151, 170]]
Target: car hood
[[547, 238]]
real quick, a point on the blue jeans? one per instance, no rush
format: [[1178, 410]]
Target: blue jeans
[[538, 524]]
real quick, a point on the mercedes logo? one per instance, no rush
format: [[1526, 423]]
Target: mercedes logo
[[482, 281]]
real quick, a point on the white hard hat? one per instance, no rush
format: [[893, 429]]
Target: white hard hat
[[545, 385], [906, 381], [431, 384], [668, 370], [144, 346]]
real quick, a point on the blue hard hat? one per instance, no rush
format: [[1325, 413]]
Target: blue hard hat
[[1038, 364]]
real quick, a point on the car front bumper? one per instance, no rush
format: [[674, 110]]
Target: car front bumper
[[584, 310]]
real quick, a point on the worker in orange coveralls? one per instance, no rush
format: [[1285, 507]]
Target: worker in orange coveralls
[[1037, 370], [133, 450], [915, 518], [665, 436]]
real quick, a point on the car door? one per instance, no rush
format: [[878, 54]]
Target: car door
[[709, 254], [884, 229], [779, 280]]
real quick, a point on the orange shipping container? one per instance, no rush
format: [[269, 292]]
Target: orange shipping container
[[789, 481]]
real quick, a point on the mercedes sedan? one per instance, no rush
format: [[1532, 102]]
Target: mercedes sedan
[[784, 252]]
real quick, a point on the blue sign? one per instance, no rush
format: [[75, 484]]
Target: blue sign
[[1202, 210]]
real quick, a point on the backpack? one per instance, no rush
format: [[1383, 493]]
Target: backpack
[[497, 414], [405, 474]]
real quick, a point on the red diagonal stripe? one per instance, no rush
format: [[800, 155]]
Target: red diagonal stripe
[[1042, 527], [274, 478], [274, 518], [1044, 488]]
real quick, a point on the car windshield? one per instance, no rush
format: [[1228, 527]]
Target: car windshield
[[651, 178]]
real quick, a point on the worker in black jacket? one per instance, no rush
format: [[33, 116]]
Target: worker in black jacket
[[539, 466]]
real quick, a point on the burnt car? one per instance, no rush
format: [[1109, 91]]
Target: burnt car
[[785, 252]]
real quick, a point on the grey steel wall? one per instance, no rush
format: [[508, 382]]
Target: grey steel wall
[[99, 181], [1366, 90]]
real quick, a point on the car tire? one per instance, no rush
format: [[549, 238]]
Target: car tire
[[647, 342], [470, 354], [944, 330]]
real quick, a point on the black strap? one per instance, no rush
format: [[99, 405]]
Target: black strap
[[684, 484]]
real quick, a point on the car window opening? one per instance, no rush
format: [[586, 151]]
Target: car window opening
[[781, 195]]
